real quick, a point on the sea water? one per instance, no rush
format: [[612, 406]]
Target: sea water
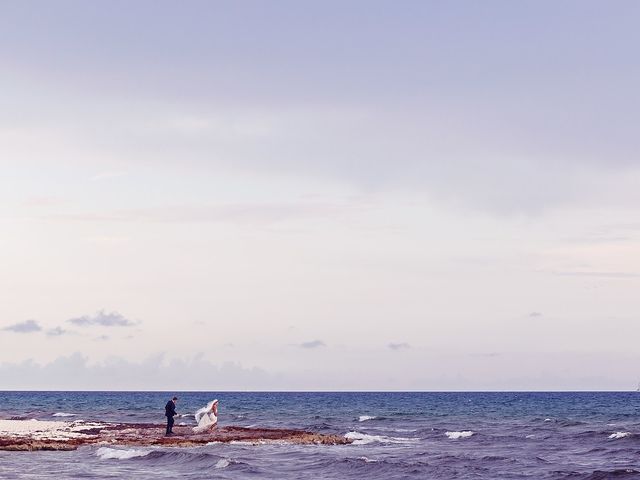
[[395, 435]]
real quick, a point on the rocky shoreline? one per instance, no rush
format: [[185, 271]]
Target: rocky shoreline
[[71, 435]]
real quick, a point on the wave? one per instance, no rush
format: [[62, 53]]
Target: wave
[[252, 442], [591, 451], [172, 456], [570, 423], [364, 439], [364, 418], [615, 436], [606, 474], [392, 429], [320, 426], [457, 435], [494, 458], [106, 453], [63, 414], [367, 460]]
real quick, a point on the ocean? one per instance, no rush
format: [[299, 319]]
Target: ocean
[[396, 435]]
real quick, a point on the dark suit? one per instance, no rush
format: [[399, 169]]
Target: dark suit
[[170, 412]]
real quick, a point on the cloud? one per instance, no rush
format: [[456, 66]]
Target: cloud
[[598, 274], [28, 326], [43, 201], [535, 314], [238, 213], [312, 344], [75, 372], [399, 346], [509, 371], [406, 150], [106, 176], [102, 319], [56, 332], [518, 137]]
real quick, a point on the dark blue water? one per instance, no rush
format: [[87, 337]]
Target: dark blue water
[[398, 435]]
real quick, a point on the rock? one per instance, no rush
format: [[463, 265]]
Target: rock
[[69, 436]]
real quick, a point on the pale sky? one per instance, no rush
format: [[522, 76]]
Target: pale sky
[[319, 195]]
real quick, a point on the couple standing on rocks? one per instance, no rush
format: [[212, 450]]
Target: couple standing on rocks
[[206, 417]]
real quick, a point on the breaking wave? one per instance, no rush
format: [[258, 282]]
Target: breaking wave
[[367, 460], [106, 453], [364, 418], [456, 435], [363, 438]]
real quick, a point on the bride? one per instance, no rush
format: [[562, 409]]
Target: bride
[[207, 417]]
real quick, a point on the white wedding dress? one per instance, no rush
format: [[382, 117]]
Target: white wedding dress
[[205, 418]]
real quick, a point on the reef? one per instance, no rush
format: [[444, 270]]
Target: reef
[[31, 435]]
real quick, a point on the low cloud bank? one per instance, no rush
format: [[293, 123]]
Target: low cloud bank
[[313, 344], [75, 372], [349, 370], [399, 346]]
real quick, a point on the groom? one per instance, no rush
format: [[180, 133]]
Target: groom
[[170, 412]]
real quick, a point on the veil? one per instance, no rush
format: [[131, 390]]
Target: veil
[[205, 418]]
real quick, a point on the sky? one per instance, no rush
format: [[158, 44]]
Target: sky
[[362, 195]]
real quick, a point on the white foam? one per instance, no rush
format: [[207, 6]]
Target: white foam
[[106, 453], [223, 463], [367, 460], [391, 429], [456, 435], [548, 420], [364, 418], [46, 429], [617, 435], [363, 438], [63, 414]]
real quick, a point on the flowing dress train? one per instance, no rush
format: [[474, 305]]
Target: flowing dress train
[[205, 418]]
